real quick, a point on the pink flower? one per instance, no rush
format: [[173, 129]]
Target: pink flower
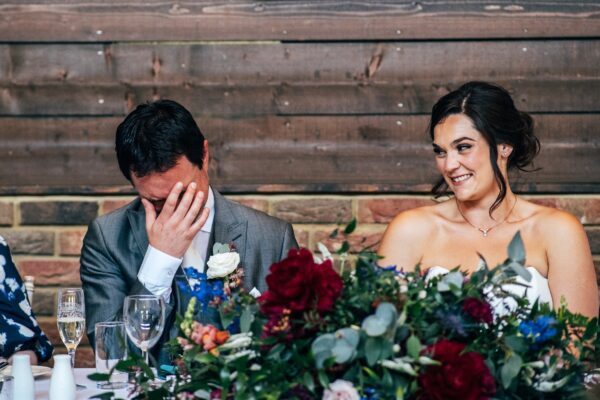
[[341, 390]]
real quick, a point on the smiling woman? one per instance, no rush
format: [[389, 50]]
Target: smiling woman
[[478, 136]]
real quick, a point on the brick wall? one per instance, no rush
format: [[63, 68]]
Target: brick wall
[[45, 233]]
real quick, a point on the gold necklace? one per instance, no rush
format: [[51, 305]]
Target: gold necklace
[[482, 230]]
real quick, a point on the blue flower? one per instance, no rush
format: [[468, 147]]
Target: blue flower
[[540, 330], [452, 322], [370, 394], [205, 290]]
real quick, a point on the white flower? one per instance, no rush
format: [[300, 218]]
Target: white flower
[[221, 265], [422, 294], [2, 339], [341, 390]]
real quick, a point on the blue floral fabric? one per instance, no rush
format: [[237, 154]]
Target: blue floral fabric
[[19, 329]]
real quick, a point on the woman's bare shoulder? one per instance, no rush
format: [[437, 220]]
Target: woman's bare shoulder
[[549, 220], [416, 221]]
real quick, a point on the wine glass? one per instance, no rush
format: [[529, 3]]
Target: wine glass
[[144, 317], [70, 318]]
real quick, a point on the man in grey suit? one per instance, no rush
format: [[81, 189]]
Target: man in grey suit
[[142, 247]]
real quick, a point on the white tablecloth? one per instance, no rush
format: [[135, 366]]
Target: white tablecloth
[[42, 385]]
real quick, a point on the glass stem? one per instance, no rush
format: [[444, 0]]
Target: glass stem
[[145, 355], [72, 355]]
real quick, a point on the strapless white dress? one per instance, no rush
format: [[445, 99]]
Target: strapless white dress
[[536, 289]]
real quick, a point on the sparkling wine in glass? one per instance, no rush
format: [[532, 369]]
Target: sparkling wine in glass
[[144, 317], [70, 318]]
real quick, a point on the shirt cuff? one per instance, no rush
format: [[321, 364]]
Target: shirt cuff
[[157, 272]]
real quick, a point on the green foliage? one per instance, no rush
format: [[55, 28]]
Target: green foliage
[[379, 336]]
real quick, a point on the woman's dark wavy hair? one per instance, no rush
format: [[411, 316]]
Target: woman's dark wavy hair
[[154, 136], [495, 116]]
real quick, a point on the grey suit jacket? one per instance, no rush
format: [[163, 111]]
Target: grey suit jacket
[[115, 244]]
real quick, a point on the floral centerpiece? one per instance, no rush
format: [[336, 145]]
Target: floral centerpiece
[[378, 333]]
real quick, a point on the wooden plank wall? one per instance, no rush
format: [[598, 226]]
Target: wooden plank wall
[[310, 96]]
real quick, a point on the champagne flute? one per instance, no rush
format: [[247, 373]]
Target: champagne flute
[[144, 317], [70, 318]]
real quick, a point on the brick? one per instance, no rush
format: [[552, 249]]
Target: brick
[[383, 210], [70, 242], [6, 214], [257, 204], [111, 205], [313, 210], [593, 234], [586, 209], [44, 301], [51, 271], [358, 240], [29, 242], [58, 212], [302, 236]]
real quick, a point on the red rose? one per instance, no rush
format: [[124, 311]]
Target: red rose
[[479, 310], [298, 284], [461, 376]]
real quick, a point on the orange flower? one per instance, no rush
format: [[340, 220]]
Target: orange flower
[[208, 337]]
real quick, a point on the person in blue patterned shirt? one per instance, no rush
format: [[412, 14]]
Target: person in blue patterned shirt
[[19, 330]]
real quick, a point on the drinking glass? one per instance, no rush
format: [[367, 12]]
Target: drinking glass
[[70, 318], [144, 317], [110, 348]]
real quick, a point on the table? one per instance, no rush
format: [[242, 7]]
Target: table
[[42, 386]]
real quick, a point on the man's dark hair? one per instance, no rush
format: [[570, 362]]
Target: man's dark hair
[[154, 136]]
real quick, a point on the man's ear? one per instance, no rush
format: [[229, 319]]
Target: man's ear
[[206, 156]]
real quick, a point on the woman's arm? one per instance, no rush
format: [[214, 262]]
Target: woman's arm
[[571, 272]]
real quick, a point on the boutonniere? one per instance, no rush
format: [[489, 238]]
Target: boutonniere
[[223, 276], [223, 262]]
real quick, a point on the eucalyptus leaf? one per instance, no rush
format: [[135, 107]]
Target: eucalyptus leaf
[[321, 349], [384, 319], [413, 347], [510, 370], [516, 249], [517, 344], [246, 320], [454, 278], [346, 342], [308, 381], [373, 349], [520, 270], [221, 248]]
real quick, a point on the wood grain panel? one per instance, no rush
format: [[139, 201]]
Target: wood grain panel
[[286, 100], [280, 154], [102, 21], [298, 63]]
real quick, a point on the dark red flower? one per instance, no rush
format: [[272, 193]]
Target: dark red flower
[[479, 310], [298, 284], [461, 376]]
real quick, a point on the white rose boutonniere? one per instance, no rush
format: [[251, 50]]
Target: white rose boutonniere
[[222, 263]]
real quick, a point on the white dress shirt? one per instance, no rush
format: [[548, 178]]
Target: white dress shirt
[[158, 268]]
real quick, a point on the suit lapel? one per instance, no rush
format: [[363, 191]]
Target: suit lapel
[[227, 228], [137, 220]]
